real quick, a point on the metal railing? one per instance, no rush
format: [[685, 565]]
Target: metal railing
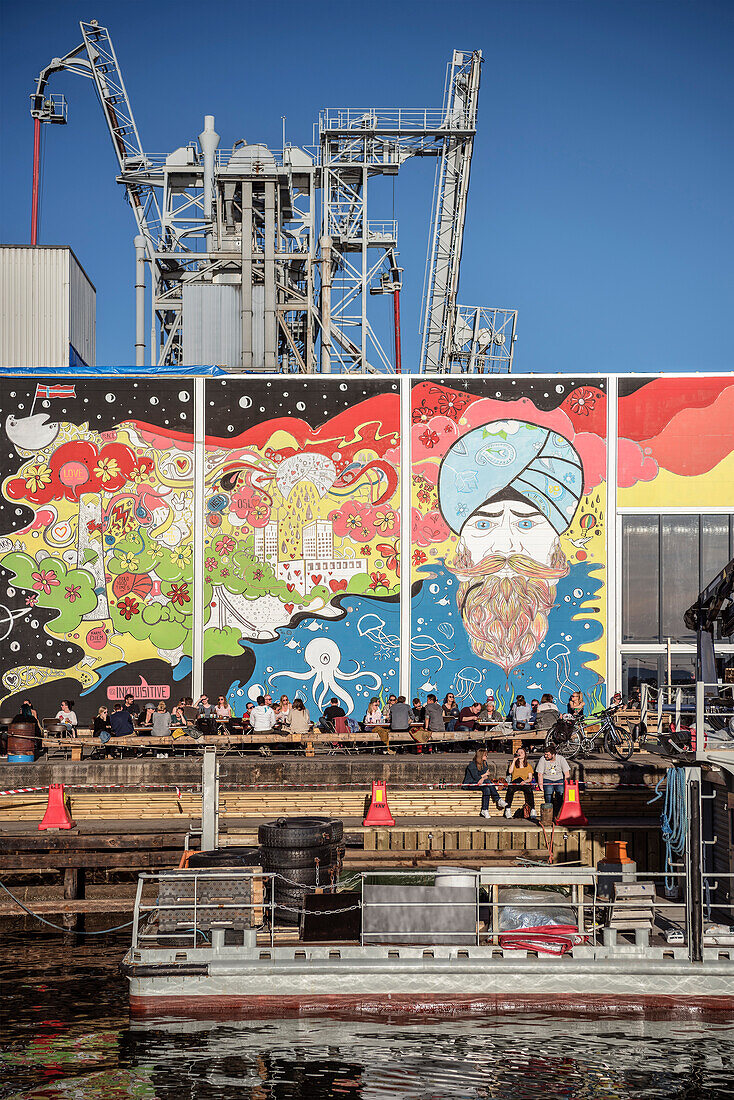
[[589, 895], [398, 119]]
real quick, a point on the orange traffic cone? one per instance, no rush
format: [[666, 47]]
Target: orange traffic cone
[[379, 811], [57, 815], [571, 812]]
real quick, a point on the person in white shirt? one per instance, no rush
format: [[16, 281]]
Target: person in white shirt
[[66, 716], [552, 771], [262, 718], [521, 714]]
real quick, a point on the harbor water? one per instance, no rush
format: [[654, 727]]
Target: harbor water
[[66, 1034]]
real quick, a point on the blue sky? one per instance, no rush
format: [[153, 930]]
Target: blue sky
[[601, 194]]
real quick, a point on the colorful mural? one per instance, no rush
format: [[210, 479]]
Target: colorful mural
[[302, 546], [95, 539], [676, 442], [508, 537]]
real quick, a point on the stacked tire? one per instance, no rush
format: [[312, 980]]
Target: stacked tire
[[303, 853]]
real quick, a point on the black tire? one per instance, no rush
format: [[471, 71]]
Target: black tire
[[305, 876], [275, 858], [300, 832], [622, 745], [568, 746], [226, 857]]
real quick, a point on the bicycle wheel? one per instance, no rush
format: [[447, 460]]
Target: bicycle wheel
[[619, 742], [572, 747]]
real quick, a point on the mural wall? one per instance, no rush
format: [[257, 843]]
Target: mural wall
[[508, 538], [676, 442], [302, 544], [95, 541]]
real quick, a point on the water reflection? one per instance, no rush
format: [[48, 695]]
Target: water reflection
[[66, 1034]]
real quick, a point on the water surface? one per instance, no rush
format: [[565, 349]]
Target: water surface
[[66, 1034]]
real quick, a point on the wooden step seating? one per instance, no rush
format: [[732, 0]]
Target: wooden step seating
[[633, 906], [425, 803]]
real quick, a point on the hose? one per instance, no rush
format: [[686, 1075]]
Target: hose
[[59, 927], [673, 819]]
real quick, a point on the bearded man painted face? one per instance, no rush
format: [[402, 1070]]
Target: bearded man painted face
[[518, 485]]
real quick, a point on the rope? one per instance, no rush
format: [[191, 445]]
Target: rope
[[60, 927], [673, 819]]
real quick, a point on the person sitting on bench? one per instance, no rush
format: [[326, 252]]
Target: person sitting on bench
[[121, 721], [477, 776], [333, 711]]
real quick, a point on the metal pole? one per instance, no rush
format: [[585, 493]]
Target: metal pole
[[197, 626], [246, 252], [693, 870], [209, 800], [396, 316], [326, 305], [140, 301], [36, 174], [271, 338]]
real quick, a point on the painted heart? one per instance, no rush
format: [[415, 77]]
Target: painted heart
[[289, 607], [181, 463], [316, 577], [335, 586], [291, 587], [297, 572]]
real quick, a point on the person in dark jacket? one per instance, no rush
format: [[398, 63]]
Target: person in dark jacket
[[121, 721], [477, 776]]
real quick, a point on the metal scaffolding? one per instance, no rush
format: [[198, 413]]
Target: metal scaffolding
[[266, 261]]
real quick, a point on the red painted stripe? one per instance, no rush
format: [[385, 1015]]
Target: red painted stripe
[[390, 1007]]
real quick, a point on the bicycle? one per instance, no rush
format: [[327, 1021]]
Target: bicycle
[[571, 737]]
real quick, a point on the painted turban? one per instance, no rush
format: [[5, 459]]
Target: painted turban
[[536, 462]]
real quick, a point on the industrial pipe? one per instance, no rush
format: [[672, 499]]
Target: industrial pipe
[[396, 318], [326, 243], [209, 140], [36, 174], [140, 301]]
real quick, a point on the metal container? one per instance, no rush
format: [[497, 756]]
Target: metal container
[[22, 743], [47, 309]]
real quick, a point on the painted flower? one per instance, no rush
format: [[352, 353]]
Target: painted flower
[[582, 402], [260, 511], [179, 594], [354, 520], [107, 469], [128, 607], [182, 555], [44, 580], [429, 438], [385, 521], [225, 545], [424, 495], [365, 551], [38, 476], [73, 592], [138, 474], [378, 580], [129, 563], [451, 404], [224, 572], [423, 413], [391, 553], [419, 557], [258, 575], [31, 600], [210, 563]]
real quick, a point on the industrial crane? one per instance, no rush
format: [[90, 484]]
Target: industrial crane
[[242, 276]]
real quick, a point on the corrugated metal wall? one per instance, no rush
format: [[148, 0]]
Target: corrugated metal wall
[[44, 298], [212, 330], [82, 313]]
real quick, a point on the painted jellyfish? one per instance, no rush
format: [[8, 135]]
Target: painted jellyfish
[[322, 655]]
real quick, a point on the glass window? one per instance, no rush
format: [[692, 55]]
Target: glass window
[[679, 546], [640, 579], [638, 669]]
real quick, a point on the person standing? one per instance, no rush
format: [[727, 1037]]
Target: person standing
[[521, 714], [552, 771], [520, 778], [476, 776]]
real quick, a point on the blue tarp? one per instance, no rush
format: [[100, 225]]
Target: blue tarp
[[109, 372]]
